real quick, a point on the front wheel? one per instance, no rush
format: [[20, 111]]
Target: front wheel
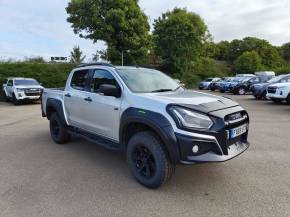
[[276, 100], [58, 130], [288, 99], [14, 100], [241, 91], [148, 161]]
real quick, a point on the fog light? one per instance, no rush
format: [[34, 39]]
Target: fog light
[[281, 93], [19, 94], [195, 149]]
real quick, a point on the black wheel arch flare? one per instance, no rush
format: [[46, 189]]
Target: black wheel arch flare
[[155, 121], [55, 105]]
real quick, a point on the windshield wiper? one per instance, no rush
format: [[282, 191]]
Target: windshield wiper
[[161, 90]]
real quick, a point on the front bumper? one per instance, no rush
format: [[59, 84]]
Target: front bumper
[[24, 95], [210, 150], [215, 145], [276, 96]]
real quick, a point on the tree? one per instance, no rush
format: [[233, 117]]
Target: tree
[[120, 23], [37, 59], [76, 55], [285, 48], [96, 56], [248, 62], [179, 36]]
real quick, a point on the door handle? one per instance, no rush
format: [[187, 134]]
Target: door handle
[[67, 95], [88, 99]]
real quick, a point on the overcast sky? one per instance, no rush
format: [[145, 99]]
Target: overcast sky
[[39, 27]]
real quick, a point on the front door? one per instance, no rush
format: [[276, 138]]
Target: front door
[[103, 112]]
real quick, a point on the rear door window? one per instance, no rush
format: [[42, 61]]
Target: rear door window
[[80, 79], [10, 83]]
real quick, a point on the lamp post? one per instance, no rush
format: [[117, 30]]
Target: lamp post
[[122, 56]]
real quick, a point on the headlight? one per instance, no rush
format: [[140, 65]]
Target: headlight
[[190, 119], [19, 89]]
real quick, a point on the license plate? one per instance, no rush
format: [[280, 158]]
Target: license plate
[[238, 131]]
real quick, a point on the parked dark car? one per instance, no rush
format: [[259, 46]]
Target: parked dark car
[[205, 85], [260, 90], [244, 85], [216, 84], [226, 86]]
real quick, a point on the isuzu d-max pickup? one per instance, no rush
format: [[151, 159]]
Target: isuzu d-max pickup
[[149, 116]]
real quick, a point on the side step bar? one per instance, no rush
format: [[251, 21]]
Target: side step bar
[[99, 140]]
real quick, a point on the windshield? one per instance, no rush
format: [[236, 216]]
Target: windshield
[[209, 79], [276, 79], [147, 80], [238, 79], [25, 82]]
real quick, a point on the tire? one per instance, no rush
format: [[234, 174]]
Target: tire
[[288, 99], [58, 130], [5, 97], [212, 89], [264, 95], [148, 161], [222, 91], [14, 100], [276, 100], [241, 91]]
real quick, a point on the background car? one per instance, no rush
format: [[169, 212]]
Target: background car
[[204, 85], [21, 89], [245, 85], [259, 91], [216, 84], [226, 86]]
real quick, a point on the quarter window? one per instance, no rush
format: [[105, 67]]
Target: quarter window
[[102, 77], [79, 79]]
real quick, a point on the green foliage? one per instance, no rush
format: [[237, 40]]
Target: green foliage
[[76, 55], [178, 38], [285, 48], [120, 23], [269, 54], [203, 68], [49, 74], [38, 59], [248, 62]]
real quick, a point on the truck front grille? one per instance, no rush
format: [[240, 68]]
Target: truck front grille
[[272, 89]]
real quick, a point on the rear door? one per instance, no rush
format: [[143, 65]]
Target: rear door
[[75, 98], [9, 88]]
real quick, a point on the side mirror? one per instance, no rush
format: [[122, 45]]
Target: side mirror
[[110, 90]]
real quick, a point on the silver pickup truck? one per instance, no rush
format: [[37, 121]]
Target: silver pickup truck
[[149, 116], [21, 89]]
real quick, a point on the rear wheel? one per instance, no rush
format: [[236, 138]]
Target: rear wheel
[[148, 161], [58, 130], [5, 96]]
